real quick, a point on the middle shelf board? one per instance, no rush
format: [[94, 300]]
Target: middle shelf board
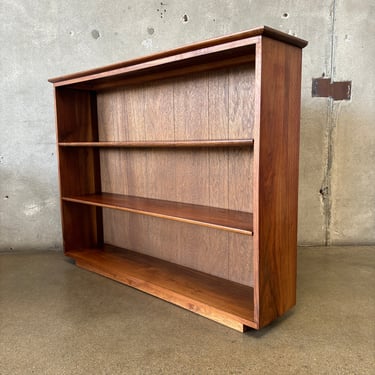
[[164, 144], [213, 217]]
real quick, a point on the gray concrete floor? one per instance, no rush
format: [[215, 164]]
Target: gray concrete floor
[[58, 319]]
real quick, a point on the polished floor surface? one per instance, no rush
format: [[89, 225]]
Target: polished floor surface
[[58, 319]]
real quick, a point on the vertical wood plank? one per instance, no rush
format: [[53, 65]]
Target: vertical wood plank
[[241, 101], [218, 129], [159, 124], [159, 114], [240, 184], [240, 173], [76, 115], [109, 121], [122, 118], [79, 169], [82, 226], [132, 113], [278, 178], [218, 259], [241, 125], [122, 234], [241, 259], [191, 122], [191, 107], [161, 176]]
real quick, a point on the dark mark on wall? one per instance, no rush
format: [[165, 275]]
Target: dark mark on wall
[[162, 10], [150, 30], [324, 192], [95, 34], [185, 18]]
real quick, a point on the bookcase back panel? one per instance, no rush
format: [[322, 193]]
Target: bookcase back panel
[[210, 105], [218, 177], [219, 253]]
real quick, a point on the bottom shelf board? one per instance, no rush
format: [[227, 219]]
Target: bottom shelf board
[[223, 301]]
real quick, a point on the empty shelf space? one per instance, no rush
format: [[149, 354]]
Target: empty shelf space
[[218, 218], [213, 297], [164, 144]]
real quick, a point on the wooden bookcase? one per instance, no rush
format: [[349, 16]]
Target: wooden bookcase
[[179, 174]]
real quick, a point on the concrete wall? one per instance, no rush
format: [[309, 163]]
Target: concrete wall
[[42, 39]]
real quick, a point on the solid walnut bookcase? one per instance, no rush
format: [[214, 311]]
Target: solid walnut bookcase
[[179, 174]]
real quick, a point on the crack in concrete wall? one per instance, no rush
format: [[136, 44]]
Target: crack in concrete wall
[[325, 190]]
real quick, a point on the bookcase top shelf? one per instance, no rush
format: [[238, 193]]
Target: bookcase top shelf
[[217, 52]]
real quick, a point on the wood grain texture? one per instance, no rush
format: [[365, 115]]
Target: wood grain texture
[[80, 174], [76, 115], [233, 221], [79, 169], [205, 134], [161, 181], [228, 42], [178, 110], [172, 121], [241, 94], [136, 77], [82, 226], [240, 259], [159, 121], [190, 108], [121, 118], [218, 299], [276, 221], [241, 101], [177, 66], [164, 144], [218, 165]]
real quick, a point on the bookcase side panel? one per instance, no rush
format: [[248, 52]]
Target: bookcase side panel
[[79, 171], [278, 178], [82, 226], [79, 168], [76, 115]]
